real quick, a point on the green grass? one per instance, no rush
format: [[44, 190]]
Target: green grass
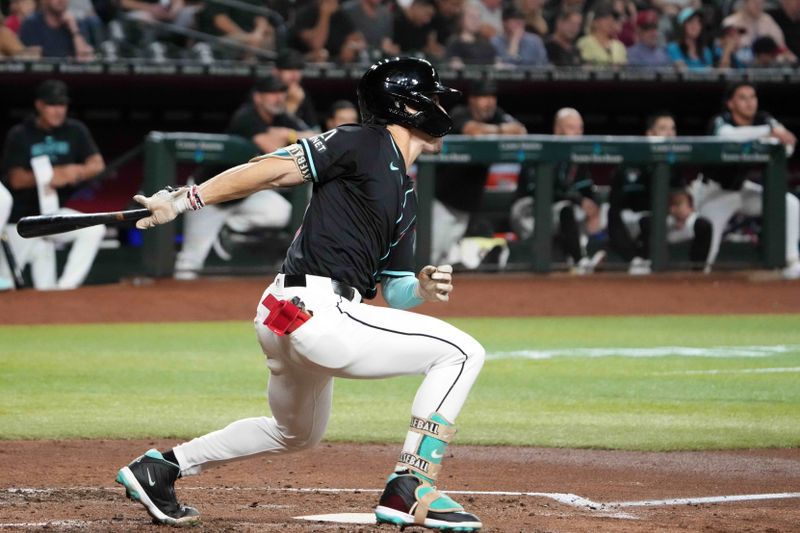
[[182, 379]]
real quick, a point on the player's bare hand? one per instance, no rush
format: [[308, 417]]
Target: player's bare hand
[[165, 206], [784, 136], [435, 283]]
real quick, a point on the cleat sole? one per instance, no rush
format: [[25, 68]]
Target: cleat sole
[[135, 492], [387, 515]]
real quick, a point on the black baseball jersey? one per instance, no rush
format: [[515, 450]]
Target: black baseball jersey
[[631, 187], [360, 224], [732, 177], [70, 143], [572, 182]]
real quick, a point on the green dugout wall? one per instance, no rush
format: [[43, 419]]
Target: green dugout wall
[[163, 151]]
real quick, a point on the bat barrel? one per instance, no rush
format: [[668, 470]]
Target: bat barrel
[[41, 225]]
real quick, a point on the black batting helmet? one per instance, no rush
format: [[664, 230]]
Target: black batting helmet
[[391, 86]]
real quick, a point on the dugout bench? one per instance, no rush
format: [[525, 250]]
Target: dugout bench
[[163, 151], [544, 151]]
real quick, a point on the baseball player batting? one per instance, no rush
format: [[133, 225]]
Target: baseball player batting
[[311, 321]]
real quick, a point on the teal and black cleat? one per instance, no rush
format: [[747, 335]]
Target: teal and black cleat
[[150, 480], [408, 501]]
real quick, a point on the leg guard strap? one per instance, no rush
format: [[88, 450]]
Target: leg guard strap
[[428, 497], [437, 427], [419, 465], [425, 462]]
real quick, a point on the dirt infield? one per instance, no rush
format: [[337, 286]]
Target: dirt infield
[[68, 485], [261, 494], [474, 295]]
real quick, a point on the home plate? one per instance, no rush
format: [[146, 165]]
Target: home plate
[[342, 518]]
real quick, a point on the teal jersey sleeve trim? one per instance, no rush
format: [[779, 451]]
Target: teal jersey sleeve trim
[[399, 291], [310, 159], [396, 273]]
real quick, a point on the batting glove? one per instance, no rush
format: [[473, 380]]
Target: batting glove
[[435, 283], [167, 204]]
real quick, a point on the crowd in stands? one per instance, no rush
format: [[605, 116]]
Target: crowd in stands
[[685, 34]]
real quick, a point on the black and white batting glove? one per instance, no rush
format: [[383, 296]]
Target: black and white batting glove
[[167, 204], [435, 283]]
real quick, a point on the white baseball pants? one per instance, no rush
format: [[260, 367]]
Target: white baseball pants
[[6, 202], [264, 209], [345, 339], [40, 253], [719, 205]]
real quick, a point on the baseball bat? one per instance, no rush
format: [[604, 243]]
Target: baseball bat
[[41, 225]]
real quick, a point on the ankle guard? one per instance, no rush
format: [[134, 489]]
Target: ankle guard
[[426, 462]]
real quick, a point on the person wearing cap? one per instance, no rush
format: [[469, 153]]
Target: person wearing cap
[[756, 23], [75, 159], [265, 121], [648, 50], [560, 46], [56, 31], [689, 50], [601, 46], [787, 16], [459, 188], [517, 47], [728, 44], [289, 69]]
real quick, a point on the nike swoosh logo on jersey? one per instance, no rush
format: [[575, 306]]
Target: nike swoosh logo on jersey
[[436, 454], [150, 479], [392, 166]]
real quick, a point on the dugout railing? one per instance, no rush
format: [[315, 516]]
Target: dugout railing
[[163, 151]]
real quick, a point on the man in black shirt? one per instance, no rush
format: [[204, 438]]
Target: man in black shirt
[[264, 120], [55, 30], [68, 148], [236, 24], [323, 31], [414, 31], [358, 230], [459, 188], [725, 191], [560, 46]]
